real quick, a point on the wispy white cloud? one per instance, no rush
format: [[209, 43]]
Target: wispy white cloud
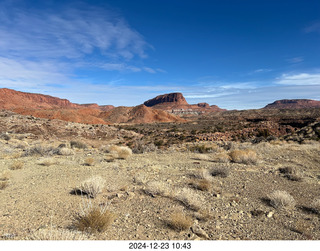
[[315, 27], [299, 79], [261, 70], [295, 60]]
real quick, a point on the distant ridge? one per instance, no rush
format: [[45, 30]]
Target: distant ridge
[[293, 104]]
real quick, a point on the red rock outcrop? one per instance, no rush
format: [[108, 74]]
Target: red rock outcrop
[[293, 104], [171, 98]]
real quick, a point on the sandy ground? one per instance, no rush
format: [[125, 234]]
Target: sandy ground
[[234, 207]]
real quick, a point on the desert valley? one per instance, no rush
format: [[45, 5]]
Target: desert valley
[[162, 170]]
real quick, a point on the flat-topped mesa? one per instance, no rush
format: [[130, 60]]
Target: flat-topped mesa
[[171, 98], [293, 104]]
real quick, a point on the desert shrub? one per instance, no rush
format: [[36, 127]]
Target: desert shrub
[[203, 184], [221, 157], [92, 187], [17, 165], [89, 161], [142, 147], [47, 162], [56, 235], [188, 198], [201, 148], [78, 144], [315, 205], [64, 151], [5, 175], [281, 199], [3, 184], [291, 173], [5, 136], [40, 150], [179, 221], [247, 156], [93, 219], [157, 188], [201, 157], [219, 172], [124, 152]]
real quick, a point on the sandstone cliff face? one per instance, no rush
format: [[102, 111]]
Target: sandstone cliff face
[[293, 104], [171, 98]]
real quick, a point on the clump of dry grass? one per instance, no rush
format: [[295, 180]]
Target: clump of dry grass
[[221, 157], [179, 221], [189, 198], [78, 144], [291, 173], [89, 161], [47, 162], [120, 152], [17, 165], [92, 187], [159, 188], [315, 205], [247, 156], [281, 199], [56, 235], [202, 148], [64, 151], [203, 184], [93, 219], [219, 172], [3, 184], [5, 175]]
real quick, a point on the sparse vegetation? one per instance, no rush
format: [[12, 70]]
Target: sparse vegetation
[[40, 150], [188, 198], [203, 185], [92, 187], [47, 162], [247, 156], [316, 205], [17, 165], [219, 172], [179, 221], [5, 175], [94, 218], [78, 144], [291, 173], [89, 161], [3, 184], [281, 199]]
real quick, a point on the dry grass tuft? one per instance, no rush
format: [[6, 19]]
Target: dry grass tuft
[[179, 221], [120, 152], [78, 144], [159, 188], [291, 173], [56, 235], [189, 198], [221, 157], [219, 172], [47, 162], [203, 184], [5, 175], [3, 184], [247, 156], [281, 199], [17, 165], [89, 161], [315, 205], [94, 219], [92, 187], [65, 151]]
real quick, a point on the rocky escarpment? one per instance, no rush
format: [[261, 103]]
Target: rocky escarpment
[[293, 104], [171, 98]]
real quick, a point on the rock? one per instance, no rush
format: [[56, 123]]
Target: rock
[[270, 214], [199, 231]]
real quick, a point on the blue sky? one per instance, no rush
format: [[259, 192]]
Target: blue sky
[[234, 54]]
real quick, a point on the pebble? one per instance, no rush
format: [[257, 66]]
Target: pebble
[[270, 214]]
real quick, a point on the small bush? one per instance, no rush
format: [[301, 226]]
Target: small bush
[[65, 151], [200, 148], [89, 161], [40, 150], [56, 235], [94, 219], [47, 162], [17, 165], [121, 152], [315, 205], [180, 222], [78, 144], [5, 136], [219, 172], [188, 198], [281, 199], [291, 173], [92, 187], [222, 158], [141, 147], [203, 185], [157, 188], [244, 156], [5, 175], [3, 184]]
